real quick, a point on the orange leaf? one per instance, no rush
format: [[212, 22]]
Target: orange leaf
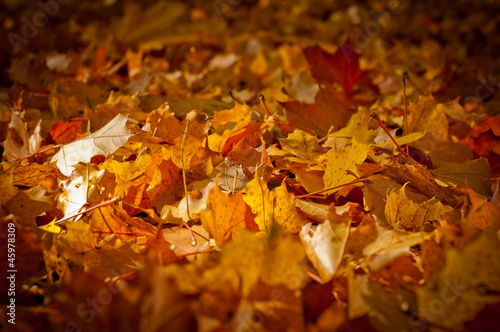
[[66, 132], [227, 216]]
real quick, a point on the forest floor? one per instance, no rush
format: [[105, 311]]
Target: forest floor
[[234, 165]]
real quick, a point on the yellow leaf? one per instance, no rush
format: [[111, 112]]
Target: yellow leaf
[[293, 58], [259, 64], [302, 144], [284, 211], [127, 170], [344, 160], [258, 198], [460, 290], [390, 244], [326, 247], [423, 115], [277, 205], [239, 116], [6, 184], [33, 175], [400, 210], [245, 255], [51, 227]]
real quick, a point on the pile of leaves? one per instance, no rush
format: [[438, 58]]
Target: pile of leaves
[[251, 165]]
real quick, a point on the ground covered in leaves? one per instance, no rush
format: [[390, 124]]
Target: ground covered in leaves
[[249, 166]]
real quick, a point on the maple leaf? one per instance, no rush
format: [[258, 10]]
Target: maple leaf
[[401, 211], [277, 206], [303, 145], [468, 276], [319, 116], [473, 173], [339, 162], [82, 188], [33, 175], [390, 244], [114, 220], [65, 132], [104, 142], [424, 115], [228, 215], [342, 66], [325, 248]]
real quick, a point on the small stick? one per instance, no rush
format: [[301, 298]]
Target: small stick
[[375, 116], [235, 98], [263, 103], [185, 224], [406, 111], [110, 202], [315, 278], [34, 154], [331, 188], [235, 180]]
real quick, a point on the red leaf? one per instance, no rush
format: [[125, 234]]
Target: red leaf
[[342, 66], [66, 132]]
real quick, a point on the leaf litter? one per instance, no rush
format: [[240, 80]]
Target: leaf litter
[[251, 165]]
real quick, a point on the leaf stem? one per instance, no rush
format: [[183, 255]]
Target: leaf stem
[[185, 224], [34, 154], [110, 202], [375, 116], [406, 110], [331, 188]]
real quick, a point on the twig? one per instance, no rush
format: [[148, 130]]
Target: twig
[[34, 154], [110, 202], [185, 224], [406, 111], [331, 188], [375, 116]]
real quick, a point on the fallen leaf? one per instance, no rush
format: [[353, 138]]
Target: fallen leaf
[[342, 66], [339, 162], [303, 145], [33, 175], [66, 132], [228, 214], [463, 287], [325, 248], [390, 244], [277, 206], [401, 211], [103, 142], [473, 173]]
